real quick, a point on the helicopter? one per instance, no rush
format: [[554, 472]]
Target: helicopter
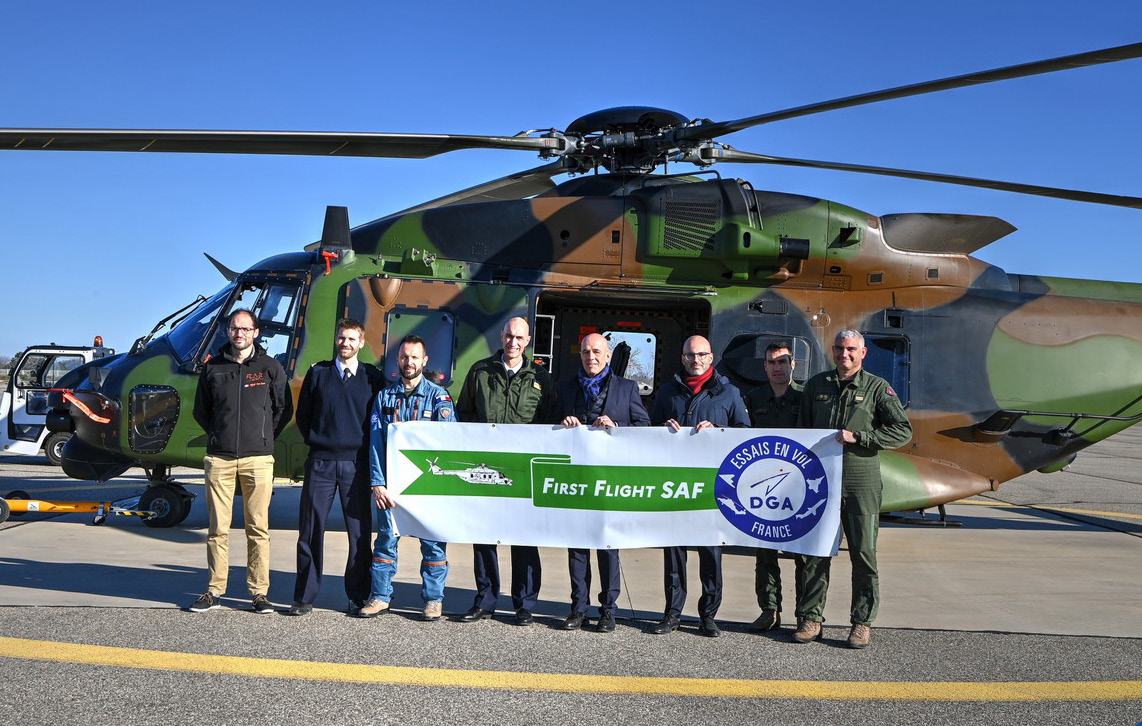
[[977, 355], [474, 474]]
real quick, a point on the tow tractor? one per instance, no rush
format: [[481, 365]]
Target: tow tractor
[[24, 404]]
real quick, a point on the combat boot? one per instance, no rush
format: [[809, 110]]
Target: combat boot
[[807, 631]]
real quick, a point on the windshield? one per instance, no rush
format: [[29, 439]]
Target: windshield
[[188, 335]]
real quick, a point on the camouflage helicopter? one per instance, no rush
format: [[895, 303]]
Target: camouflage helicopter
[[978, 356]]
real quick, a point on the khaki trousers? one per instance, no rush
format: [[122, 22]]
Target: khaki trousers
[[255, 474]]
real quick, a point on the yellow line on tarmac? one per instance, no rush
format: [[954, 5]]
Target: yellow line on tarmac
[[102, 655], [1046, 507]]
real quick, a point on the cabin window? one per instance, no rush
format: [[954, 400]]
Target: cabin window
[[639, 366], [436, 327], [744, 356], [890, 357]]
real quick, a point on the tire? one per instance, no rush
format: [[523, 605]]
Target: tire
[[16, 494], [53, 446], [169, 505], [5, 510]]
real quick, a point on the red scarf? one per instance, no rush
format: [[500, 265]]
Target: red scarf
[[695, 383]]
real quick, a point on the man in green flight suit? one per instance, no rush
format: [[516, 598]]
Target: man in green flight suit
[[868, 417], [775, 404]]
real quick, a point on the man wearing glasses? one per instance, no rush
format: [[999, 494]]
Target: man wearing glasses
[[697, 398], [243, 402], [773, 405]]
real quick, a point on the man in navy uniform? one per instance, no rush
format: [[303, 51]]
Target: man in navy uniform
[[333, 419], [696, 397], [596, 397]]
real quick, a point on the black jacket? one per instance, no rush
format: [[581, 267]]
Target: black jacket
[[242, 407]]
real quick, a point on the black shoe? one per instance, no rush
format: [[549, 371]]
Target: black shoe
[[207, 602], [262, 605], [475, 615], [606, 623], [355, 607], [574, 621], [709, 628], [523, 616], [300, 608], [668, 624]]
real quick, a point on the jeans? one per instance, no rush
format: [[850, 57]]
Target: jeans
[[433, 563]]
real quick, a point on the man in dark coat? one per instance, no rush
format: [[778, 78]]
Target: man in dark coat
[[596, 397], [697, 397]]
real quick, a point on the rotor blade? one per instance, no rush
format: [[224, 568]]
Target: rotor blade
[[513, 186], [312, 143], [967, 181], [1079, 60]]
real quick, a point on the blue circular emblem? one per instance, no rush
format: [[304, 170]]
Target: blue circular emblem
[[772, 488]]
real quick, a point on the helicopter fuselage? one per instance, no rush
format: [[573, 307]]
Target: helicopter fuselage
[[1000, 374]]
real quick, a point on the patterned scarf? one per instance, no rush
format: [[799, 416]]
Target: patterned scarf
[[591, 385]]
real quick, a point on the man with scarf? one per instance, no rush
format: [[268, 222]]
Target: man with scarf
[[595, 397], [697, 397]]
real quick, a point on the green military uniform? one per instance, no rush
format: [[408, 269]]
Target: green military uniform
[[768, 411], [490, 395], [868, 407]]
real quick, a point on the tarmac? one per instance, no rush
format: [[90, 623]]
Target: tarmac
[[1028, 611]]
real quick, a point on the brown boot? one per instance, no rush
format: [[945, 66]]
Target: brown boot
[[859, 636], [807, 631], [768, 620]]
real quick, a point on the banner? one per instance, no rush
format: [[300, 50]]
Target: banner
[[616, 488]]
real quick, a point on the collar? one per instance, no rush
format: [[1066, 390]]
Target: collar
[[519, 366], [341, 367]]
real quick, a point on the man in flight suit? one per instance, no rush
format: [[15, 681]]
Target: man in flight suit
[[507, 388], [412, 398], [773, 405], [868, 417]]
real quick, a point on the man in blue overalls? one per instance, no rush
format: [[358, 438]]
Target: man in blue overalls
[[411, 398]]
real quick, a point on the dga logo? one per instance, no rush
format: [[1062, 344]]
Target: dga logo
[[772, 488]]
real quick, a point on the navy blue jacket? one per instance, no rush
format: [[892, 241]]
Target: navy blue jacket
[[719, 402], [623, 405]]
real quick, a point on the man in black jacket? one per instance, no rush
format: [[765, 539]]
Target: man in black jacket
[[698, 397], [243, 402], [595, 397], [333, 417], [507, 388]]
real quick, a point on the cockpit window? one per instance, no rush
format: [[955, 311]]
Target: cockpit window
[[187, 336]]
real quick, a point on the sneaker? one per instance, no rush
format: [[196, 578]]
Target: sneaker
[[372, 609], [807, 631], [207, 602], [300, 608], [859, 636], [262, 605], [432, 610], [768, 620]]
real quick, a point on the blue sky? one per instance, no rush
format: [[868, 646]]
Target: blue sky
[[110, 243]]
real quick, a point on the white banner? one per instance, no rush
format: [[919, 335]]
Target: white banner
[[616, 488]]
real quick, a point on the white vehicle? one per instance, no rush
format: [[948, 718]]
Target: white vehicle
[[24, 405]]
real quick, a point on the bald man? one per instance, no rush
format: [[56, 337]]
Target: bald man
[[596, 397], [507, 388], [697, 398]]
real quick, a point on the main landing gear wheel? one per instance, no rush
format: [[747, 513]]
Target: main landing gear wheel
[[170, 505], [53, 446], [17, 494]]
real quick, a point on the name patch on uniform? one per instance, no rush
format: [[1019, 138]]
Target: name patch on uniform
[[821, 397], [859, 398]]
